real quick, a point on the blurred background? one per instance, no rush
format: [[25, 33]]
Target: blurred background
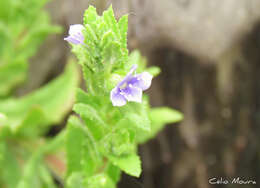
[[209, 53]]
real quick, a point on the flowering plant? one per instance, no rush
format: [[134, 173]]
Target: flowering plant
[[113, 115]]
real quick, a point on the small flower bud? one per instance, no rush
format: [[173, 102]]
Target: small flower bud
[[75, 34]]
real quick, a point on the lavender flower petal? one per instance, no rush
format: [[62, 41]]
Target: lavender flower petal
[[128, 77], [76, 29], [75, 34], [132, 93], [72, 40], [130, 88], [117, 98], [143, 80]]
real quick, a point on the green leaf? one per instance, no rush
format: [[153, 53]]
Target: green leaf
[[85, 56], [95, 101], [107, 38], [30, 178], [5, 132], [11, 75], [74, 145], [113, 172], [35, 173], [92, 118], [111, 22], [155, 71], [83, 97], [50, 103], [130, 164], [118, 142], [46, 177], [33, 123], [165, 115], [82, 153], [136, 115], [112, 54], [54, 144], [100, 181], [159, 117], [90, 16], [123, 27], [5, 36], [136, 58], [90, 35], [5, 10], [29, 44], [10, 170], [76, 180]]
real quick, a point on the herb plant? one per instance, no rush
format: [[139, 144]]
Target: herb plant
[[26, 155], [23, 27], [113, 115]]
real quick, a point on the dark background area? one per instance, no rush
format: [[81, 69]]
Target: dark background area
[[209, 53]]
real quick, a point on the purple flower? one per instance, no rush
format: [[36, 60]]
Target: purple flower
[[131, 88], [75, 34]]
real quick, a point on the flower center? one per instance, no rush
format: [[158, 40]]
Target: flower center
[[123, 86]]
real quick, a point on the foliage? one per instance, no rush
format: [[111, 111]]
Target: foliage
[[101, 140], [24, 121], [26, 156], [23, 27]]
